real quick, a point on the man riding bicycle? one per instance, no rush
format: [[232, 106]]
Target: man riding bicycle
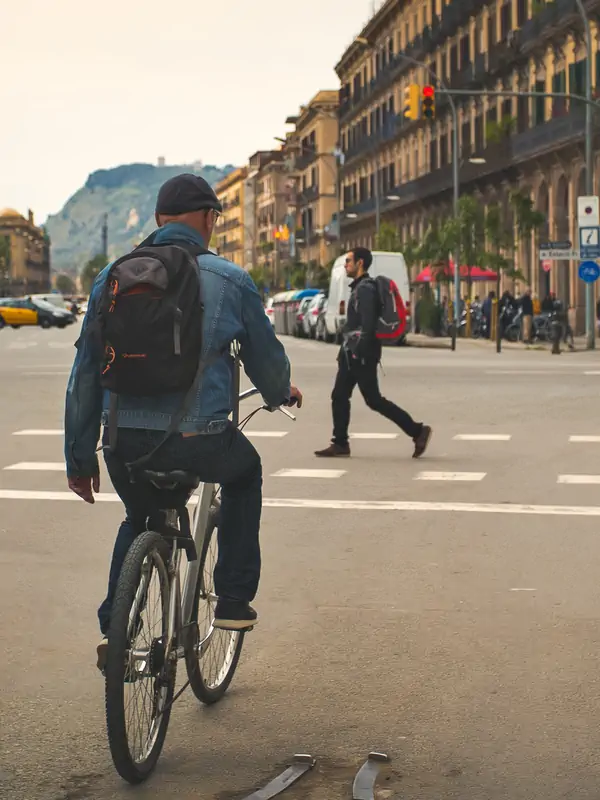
[[205, 442]]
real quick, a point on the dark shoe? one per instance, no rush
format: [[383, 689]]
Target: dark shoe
[[334, 451], [234, 615], [422, 441]]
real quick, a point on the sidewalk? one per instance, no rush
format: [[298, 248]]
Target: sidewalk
[[444, 343]]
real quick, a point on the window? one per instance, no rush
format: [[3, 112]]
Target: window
[[371, 185], [491, 117], [577, 77], [453, 60], [465, 136], [465, 58], [505, 20], [507, 107], [391, 175], [479, 133], [313, 177], [391, 110], [521, 12], [491, 27], [539, 104], [362, 190], [433, 159], [444, 150], [522, 113]]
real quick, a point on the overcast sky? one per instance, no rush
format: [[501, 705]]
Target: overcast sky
[[88, 85]]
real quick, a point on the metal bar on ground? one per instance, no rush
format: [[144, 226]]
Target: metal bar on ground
[[364, 782], [301, 765]]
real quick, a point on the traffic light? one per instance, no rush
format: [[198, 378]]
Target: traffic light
[[428, 102], [411, 102]]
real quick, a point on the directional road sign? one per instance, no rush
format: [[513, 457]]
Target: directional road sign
[[589, 271], [558, 253], [589, 241]]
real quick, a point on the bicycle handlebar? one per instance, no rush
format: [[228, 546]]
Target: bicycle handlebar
[[254, 391]]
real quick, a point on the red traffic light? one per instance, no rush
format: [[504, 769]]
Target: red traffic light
[[428, 91]]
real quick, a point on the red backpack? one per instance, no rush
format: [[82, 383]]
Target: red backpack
[[392, 311]]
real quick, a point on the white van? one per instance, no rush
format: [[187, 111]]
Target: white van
[[392, 265]]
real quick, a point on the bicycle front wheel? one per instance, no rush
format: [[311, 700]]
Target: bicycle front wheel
[[140, 675], [212, 661]]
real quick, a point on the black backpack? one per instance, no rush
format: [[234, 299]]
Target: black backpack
[[149, 327]]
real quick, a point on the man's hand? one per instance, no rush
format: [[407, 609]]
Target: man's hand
[[295, 397], [83, 487]]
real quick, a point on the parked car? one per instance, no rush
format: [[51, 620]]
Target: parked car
[[312, 315], [300, 314], [392, 265], [321, 334], [18, 311], [270, 311]]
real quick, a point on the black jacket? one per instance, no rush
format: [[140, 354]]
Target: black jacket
[[361, 319], [527, 305]]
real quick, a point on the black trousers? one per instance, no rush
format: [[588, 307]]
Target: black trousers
[[353, 373]]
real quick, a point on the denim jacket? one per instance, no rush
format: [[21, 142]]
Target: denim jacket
[[233, 311]]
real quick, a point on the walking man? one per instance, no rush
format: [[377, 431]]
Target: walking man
[[357, 363], [527, 309]]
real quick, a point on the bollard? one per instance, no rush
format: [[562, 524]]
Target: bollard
[[468, 328], [556, 328]]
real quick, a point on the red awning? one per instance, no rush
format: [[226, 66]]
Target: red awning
[[430, 274]]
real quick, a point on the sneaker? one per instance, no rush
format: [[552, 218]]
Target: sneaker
[[234, 615], [422, 440], [101, 653], [334, 451]]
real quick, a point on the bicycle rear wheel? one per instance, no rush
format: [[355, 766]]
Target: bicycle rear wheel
[[212, 662], [140, 675]]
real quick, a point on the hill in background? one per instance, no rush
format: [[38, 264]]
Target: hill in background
[[127, 194]]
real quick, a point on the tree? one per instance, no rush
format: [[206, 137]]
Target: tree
[[388, 238], [259, 276], [65, 284], [528, 221], [90, 272]]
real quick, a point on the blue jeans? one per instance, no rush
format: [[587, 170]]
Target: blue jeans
[[226, 458]]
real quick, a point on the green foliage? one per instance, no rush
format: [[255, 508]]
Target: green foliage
[[90, 272], [259, 276], [497, 132], [388, 238], [65, 284], [429, 314], [76, 230]]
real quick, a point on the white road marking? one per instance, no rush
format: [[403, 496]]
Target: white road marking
[[450, 476], [267, 434], [518, 589], [582, 480], [45, 373], [40, 432], [590, 439], [21, 345], [530, 372], [58, 345], [351, 505], [592, 372], [38, 466], [482, 437], [309, 473], [373, 435]]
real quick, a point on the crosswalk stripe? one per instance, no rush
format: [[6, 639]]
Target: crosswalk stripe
[[589, 439], [582, 480], [373, 435], [39, 432], [482, 437], [592, 372], [349, 505], [309, 473], [450, 476], [37, 466], [39, 374]]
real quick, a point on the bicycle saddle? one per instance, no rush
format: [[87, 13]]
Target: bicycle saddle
[[170, 480]]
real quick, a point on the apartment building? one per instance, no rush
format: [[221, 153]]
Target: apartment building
[[401, 171], [24, 255], [229, 231], [314, 149]]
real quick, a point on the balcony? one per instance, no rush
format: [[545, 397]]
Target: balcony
[[471, 75], [230, 247], [304, 159], [501, 59], [389, 130], [541, 26], [549, 136], [308, 195], [228, 225]]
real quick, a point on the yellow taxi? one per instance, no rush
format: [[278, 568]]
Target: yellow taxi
[[17, 311]]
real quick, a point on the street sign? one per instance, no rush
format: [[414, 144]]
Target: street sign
[[547, 265], [589, 271], [558, 254], [563, 244], [589, 241], [588, 211]]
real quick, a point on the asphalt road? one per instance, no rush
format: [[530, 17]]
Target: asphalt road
[[451, 621]]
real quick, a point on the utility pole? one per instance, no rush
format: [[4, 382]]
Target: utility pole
[[105, 237]]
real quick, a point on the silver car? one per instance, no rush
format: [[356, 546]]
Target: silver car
[[311, 315]]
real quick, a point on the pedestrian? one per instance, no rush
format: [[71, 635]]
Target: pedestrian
[[526, 303], [358, 359], [186, 427], [487, 307]]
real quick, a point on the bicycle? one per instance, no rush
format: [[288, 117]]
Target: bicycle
[[183, 626]]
